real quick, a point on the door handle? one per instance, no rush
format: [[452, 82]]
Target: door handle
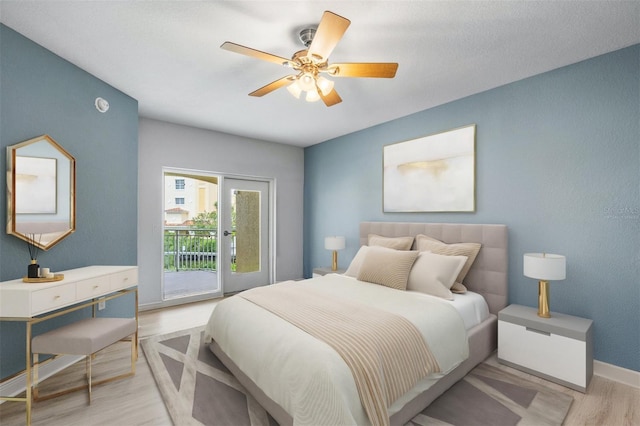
[[227, 233]]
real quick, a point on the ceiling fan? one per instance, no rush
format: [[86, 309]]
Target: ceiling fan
[[314, 61]]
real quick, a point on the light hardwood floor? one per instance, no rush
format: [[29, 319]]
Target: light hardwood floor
[[137, 401]]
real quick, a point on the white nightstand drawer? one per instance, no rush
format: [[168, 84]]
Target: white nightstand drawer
[[558, 356], [94, 287], [559, 348], [48, 299], [124, 279]]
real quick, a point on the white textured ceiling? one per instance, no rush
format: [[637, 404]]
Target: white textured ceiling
[[166, 54]]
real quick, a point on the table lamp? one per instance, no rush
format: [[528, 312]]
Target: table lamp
[[335, 244], [544, 267]]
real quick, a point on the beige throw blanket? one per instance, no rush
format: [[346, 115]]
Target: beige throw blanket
[[387, 355]]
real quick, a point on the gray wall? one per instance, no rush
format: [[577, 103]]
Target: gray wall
[[40, 93], [558, 161], [163, 144]]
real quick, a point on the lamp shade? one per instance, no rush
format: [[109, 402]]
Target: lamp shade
[[545, 266], [334, 243], [294, 89]]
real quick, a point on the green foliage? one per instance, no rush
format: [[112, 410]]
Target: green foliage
[[195, 247], [206, 220]]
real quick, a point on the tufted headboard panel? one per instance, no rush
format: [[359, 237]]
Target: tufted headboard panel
[[488, 275]]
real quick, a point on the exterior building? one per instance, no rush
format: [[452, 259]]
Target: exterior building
[[186, 197]]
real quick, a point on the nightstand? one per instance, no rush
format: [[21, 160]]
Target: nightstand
[[558, 349], [319, 272]]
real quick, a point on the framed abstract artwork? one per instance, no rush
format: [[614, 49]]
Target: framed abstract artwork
[[434, 173]]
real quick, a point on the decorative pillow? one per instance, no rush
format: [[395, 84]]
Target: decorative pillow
[[458, 288], [397, 243], [424, 243], [356, 262], [434, 274], [387, 267]]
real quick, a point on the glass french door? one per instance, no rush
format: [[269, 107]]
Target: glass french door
[[244, 234], [190, 233]]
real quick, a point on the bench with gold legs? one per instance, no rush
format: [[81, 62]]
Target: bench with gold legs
[[84, 337]]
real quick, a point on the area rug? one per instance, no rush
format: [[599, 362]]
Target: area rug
[[199, 390]]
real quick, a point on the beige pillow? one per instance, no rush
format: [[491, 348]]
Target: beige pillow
[[424, 243], [354, 266], [397, 243], [387, 267], [458, 288], [434, 274]]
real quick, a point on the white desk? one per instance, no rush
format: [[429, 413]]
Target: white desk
[[80, 288]]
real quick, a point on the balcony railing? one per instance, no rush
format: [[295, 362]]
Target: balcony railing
[[187, 249]]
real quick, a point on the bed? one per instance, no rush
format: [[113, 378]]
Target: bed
[[301, 380]]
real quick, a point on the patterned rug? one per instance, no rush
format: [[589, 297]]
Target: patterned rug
[[199, 390]]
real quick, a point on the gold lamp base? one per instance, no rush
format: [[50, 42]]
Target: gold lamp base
[[334, 264], [543, 299]]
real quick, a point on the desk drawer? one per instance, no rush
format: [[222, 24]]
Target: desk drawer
[[124, 279], [51, 298], [551, 354], [88, 289]]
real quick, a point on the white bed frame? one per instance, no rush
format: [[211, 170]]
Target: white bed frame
[[487, 276]]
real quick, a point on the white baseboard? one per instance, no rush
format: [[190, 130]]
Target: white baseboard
[[617, 374], [18, 384]]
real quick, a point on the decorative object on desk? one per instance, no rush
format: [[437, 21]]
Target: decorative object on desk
[[335, 244], [544, 267], [434, 173], [34, 248], [48, 279]]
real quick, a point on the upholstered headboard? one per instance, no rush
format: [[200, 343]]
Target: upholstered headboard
[[488, 274]]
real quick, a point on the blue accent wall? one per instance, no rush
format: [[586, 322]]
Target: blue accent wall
[[557, 160], [41, 93]]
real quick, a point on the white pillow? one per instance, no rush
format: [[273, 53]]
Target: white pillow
[[356, 263], [434, 274], [425, 243]]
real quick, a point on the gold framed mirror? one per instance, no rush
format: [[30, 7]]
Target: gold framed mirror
[[41, 186]]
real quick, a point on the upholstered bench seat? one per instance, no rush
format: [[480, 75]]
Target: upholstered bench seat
[[85, 337]]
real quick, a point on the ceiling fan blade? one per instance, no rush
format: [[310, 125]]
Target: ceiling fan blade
[[373, 69], [264, 90], [328, 34], [331, 99], [243, 50]]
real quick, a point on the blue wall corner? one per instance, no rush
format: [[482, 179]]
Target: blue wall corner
[[41, 93], [557, 160]]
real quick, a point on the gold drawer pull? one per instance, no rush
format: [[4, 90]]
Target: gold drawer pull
[[56, 297], [96, 286]]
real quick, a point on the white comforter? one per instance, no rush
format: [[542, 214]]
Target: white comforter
[[308, 378]]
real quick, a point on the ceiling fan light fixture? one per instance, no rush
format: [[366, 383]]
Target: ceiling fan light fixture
[[312, 96], [307, 82], [319, 42], [294, 89], [325, 85]]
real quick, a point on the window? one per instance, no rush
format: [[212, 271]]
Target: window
[[179, 200], [179, 184]]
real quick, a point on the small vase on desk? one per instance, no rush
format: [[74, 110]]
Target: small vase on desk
[[32, 271]]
